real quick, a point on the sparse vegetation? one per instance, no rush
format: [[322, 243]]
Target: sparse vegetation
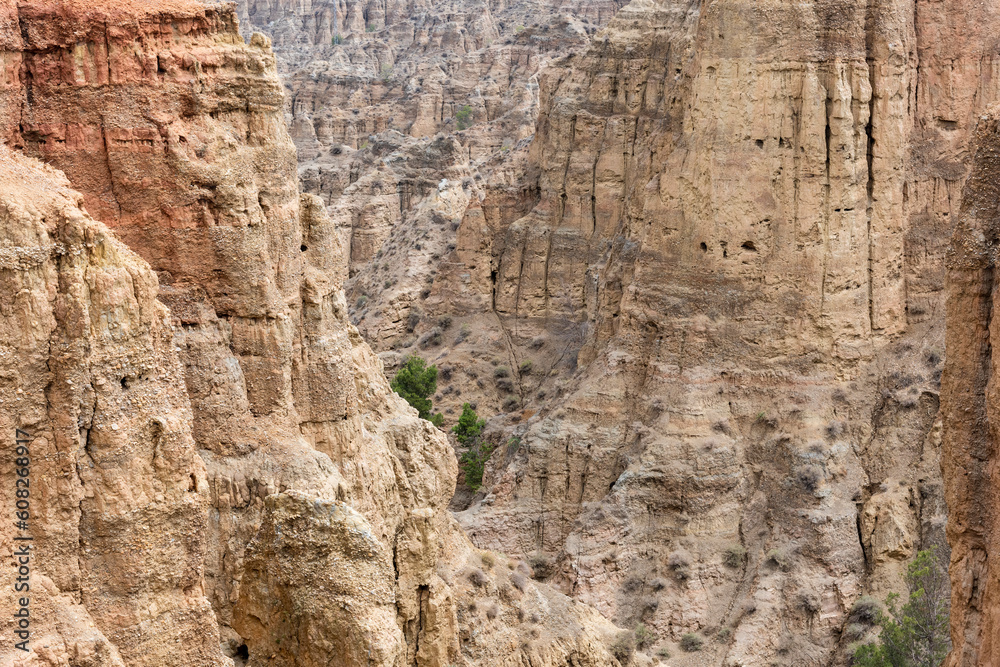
[[623, 647], [478, 578], [369, 28], [691, 642], [916, 634], [386, 73], [663, 653], [417, 382], [734, 556], [337, 40], [525, 368], [643, 636], [463, 119]]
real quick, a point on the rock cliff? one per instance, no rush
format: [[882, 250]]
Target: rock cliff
[[172, 128], [739, 232], [969, 403], [704, 291]]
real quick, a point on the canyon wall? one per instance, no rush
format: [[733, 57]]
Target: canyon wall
[[172, 129], [702, 293], [969, 402], [741, 217]]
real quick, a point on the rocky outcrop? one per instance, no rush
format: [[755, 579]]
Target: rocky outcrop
[[172, 128], [968, 403], [738, 238], [116, 494], [706, 295]]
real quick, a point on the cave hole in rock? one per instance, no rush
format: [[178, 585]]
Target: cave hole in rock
[[749, 245], [124, 383], [703, 246], [303, 248]]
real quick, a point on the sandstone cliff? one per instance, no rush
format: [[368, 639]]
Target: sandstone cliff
[[969, 403], [706, 295], [173, 130]]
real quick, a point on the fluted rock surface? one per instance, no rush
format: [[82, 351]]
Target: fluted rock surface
[[117, 505], [173, 130], [708, 297], [969, 404], [739, 235]]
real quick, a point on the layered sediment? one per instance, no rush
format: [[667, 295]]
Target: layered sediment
[[172, 129]]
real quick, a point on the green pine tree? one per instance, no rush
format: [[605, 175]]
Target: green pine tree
[[469, 426], [916, 634], [417, 382]]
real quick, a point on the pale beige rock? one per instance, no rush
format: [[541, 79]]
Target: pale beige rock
[[117, 509]]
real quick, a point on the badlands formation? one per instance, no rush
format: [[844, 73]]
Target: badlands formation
[[689, 257]]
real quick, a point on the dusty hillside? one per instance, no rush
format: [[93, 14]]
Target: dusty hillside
[[202, 471], [704, 290]]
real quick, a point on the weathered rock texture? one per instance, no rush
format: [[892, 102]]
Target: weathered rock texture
[[117, 491], [969, 404], [741, 217], [172, 128], [707, 294]]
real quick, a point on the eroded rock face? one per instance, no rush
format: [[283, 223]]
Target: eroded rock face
[[117, 492], [969, 405], [172, 128], [707, 295]]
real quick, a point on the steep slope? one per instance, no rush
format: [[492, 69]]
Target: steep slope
[[117, 495], [738, 238], [969, 403], [172, 128]]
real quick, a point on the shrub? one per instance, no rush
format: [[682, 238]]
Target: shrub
[[623, 647], [865, 611], [488, 560], [643, 636], [501, 372], [369, 28], [663, 652], [540, 565], [478, 578], [469, 426], [525, 368], [723, 635], [444, 322], [492, 611], [779, 559], [679, 563], [464, 118], [432, 338], [337, 39], [511, 404], [417, 382], [691, 642], [809, 477], [412, 320], [386, 73], [519, 581], [734, 556], [362, 300], [917, 633]]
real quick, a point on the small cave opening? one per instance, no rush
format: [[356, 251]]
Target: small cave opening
[[749, 245], [303, 248], [703, 246], [124, 383]]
